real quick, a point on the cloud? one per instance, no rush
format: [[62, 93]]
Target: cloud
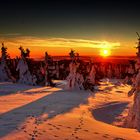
[[10, 34], [29, 41]]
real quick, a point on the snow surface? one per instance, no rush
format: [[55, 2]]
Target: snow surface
[[45, 113]]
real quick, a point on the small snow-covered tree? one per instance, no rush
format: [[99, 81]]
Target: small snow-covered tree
[[75, 78], [25, 76], [48, 80], [5, 74]]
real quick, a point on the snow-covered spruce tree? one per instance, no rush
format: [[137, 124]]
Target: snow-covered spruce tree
[[25, 76], [133, 118], [92, 74], [75, 78], [89, 81], [48, 81], [5, 74]]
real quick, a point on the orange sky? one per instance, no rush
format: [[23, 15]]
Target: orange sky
[[62, 46]]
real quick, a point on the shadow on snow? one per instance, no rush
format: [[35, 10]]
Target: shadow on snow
[[108, 113], [58, 102]]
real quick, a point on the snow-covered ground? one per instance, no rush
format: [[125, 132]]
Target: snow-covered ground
[[44, 113]]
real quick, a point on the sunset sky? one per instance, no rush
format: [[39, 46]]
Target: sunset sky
[[58, 26]]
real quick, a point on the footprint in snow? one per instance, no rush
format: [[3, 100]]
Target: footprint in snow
[[60, 125], [119, 91], [86, 130], [117, 138], [69, 127], [56, 136], [96, 133]]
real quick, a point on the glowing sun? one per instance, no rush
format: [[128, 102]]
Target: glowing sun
[[104, 52]]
